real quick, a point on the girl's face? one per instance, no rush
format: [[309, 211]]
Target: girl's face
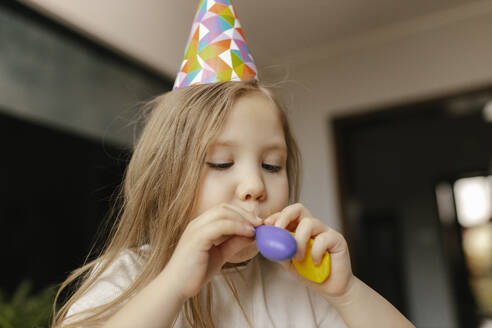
[[246, 164]]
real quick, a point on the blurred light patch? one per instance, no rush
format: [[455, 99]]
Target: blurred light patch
[[473, 200], [487, 112], [487, 323], [477, 246]]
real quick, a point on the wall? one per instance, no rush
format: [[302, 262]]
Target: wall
[[444, 58], [432, 56], [60, 79]]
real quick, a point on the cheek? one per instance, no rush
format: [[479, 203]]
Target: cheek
[[285, 194], [279, 192], [210, 192]]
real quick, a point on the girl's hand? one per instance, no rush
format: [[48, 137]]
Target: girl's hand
[[298, 219], [208, 242]]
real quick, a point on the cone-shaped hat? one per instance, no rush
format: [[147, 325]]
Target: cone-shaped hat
[[216, 49]]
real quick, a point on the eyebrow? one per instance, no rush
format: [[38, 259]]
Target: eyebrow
[[270, 146]]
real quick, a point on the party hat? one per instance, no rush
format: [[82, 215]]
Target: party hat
[[216, 50]]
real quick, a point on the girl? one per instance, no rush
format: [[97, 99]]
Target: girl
[[213, 162]]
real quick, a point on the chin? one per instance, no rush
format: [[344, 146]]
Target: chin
[[245, 254]]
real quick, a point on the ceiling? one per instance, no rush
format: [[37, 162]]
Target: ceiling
[[155, 31]]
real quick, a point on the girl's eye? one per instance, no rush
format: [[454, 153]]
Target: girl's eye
[[223, 166], [219, 166], [271, 168]]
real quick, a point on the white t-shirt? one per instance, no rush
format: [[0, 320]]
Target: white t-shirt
[[270, 296]]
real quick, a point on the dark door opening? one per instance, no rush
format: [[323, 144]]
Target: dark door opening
[[390, 162]]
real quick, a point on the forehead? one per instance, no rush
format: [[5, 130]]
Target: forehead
[[254, 120]]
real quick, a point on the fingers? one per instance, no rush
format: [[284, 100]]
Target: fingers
[[292, 214], [297, 218], [272, 219], [219, 230], [331, 241], [222, 239], [251, 217], [225, 211], [222, 222], [307, 227]]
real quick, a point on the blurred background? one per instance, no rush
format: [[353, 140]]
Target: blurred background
[[390, 101]]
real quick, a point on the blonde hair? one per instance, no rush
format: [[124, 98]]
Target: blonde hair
[[158, 192]]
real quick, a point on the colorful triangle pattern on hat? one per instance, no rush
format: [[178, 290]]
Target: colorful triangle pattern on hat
[[216, 50]]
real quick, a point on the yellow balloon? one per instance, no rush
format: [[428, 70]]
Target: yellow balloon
[[308, 270]]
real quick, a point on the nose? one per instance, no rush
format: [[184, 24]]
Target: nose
[[251, 187]]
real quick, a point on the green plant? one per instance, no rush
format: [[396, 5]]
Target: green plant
[[24, 309]]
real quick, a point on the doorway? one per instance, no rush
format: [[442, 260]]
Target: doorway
[[390, 162]]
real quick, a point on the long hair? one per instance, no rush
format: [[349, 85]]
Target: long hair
[[158, 192]]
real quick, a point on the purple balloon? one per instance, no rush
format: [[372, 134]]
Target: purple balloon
[[274, 243]]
